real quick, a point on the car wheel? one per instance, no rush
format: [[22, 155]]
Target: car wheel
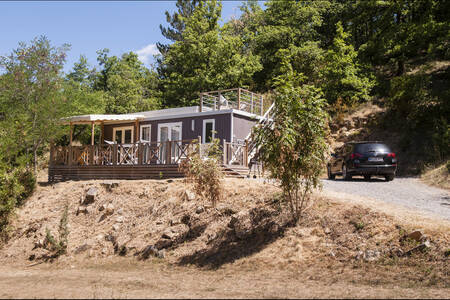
[[389, 177], [367, 177], [345, 175], [331, 176]]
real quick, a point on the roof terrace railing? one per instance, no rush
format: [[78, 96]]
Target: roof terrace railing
[[237, 98]]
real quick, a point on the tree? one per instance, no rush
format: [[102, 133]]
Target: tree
[[293, 148], [206, 58], [342, 76], [30, 98], [127, 84]]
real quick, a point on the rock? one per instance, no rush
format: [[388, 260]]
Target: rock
[[225, 209], [102, 207], [90, 195], [368, 255], [188, 195], [104, 251], [169, 180], [172, 235], [109, 209], [120, 211], [120, 219], [109, 185], [116, 227], [149, 250], [415, 235], [327, 230], [39, 244], [242, 224], [82, 248], [100, 237], [83, 209], [161, 253], [199, 210]]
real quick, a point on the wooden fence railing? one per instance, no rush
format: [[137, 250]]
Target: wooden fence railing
[[169, 152]]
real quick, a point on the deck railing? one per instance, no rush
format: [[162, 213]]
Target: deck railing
[[169, 152], [237, 98]]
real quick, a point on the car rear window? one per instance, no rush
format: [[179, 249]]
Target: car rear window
[[371, 147]]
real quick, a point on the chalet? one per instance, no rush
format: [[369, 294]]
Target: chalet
[[151, 144]]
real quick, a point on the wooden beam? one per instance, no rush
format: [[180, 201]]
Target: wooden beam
[[102, 134], [137, 133], [92, 132], [70, 134]]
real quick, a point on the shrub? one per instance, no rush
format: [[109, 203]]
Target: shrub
[[202, 169], [294, 148], [15, 187], [58, 246]]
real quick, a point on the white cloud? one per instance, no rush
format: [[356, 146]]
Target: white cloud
[[146, 54]]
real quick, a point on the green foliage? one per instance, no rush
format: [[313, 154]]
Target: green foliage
[[204, 58], [202, 169], [294, 148], [126, 84], [58, 246], [15, 186], [341, 74]]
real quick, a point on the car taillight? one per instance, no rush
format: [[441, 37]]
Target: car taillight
[[355, 155], [391, 155]]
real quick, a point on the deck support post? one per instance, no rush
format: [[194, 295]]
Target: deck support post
[[239, 99], [52, 153], [92, 132], [246, 154], [137, 135], [224, 152], [102, 134], [91, 155], [70, 134], [169, 152]]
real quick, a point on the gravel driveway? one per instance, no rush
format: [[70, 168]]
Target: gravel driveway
[[409, 192]]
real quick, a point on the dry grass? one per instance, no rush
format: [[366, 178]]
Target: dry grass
[[438, 177], [316, 258]]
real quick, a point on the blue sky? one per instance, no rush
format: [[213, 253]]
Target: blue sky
[[120, 26]]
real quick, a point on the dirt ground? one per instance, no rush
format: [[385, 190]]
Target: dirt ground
[[243, 248]]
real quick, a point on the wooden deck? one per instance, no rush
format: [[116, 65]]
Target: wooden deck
[[150, 160]]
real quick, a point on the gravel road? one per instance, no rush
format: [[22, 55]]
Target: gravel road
[[409, 192]]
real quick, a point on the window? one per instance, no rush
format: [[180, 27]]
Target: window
[[146, 133], [208, 130], [193, 125], [123, 135]]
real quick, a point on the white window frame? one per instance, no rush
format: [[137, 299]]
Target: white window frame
[[115, 129], [170, 125], [213, 121], [149, 126]]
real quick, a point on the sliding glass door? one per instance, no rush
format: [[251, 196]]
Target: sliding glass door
[[169, 132]]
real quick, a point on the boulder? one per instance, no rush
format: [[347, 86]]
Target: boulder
[[90, 195], [83, 209], [242, 224], [188, 195], [173, 235], [109, 185], [416, 235]]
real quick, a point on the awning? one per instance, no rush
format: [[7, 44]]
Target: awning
[[106, 119]]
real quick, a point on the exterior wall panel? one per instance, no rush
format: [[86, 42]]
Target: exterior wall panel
[[242, 126]]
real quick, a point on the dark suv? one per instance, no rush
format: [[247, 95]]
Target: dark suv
[[363, 158]]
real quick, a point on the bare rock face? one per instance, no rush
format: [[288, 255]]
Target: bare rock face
[[90, 196]]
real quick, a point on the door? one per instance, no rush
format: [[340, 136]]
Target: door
[[169, 136], [145, 137], [123, 135]]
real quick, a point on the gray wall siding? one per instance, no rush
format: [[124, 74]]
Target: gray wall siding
[[222, 126], [242, 126]]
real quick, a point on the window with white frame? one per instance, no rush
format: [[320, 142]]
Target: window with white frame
[[146, 133], [209, 127]]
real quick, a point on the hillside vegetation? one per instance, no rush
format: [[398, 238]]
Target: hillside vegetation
[[393, 53], [157, 222]]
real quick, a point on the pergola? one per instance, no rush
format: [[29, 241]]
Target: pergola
[[100, 120]]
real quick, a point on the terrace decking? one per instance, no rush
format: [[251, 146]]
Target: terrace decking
[[155, 160]]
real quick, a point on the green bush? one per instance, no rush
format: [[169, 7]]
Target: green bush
[[15, 187]]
